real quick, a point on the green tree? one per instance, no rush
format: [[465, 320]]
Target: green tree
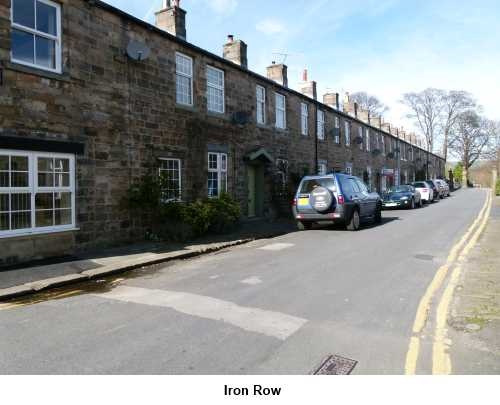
[[458, 171]]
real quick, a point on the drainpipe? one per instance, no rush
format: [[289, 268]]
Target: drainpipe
[[316, 162]]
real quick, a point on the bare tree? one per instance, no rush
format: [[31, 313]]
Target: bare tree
[[454, 104], [472, 135], [369, 103], [426, 108]]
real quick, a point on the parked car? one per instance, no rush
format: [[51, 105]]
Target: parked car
[[425, 190], [335, 198], [402, 197], [445, 187], [438, 193]]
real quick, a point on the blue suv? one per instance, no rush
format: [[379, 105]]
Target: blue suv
[[335, 198]]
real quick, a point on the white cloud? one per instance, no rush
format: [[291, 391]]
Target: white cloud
[[223, 7], [270, 26]]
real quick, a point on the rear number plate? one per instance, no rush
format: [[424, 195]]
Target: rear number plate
[[303, 202], [391, 205]]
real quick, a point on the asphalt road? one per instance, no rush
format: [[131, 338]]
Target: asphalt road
[[274, 306]]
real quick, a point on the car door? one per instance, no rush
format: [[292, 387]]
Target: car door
[[365, 200]]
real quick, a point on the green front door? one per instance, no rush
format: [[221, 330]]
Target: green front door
[[252, 197]]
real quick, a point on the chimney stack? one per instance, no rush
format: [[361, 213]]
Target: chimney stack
[[364, 115], [278, 73], [236, 51], [386, 127], [308, 88], [376, 121], [349, 106], [332, 100], [172, 18]]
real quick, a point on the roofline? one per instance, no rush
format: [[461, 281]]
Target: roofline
[[165, 34]]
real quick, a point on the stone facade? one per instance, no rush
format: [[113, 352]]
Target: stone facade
[[125, 115]]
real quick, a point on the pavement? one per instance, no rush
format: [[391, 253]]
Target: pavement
[[474, 318], [274, 306], [29, 279]]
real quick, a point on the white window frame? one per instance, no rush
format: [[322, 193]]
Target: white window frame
[[33, 31], [321, 125], [337, 132], [33, 189], [282, 173], [360, 135], [383, 145], [220, 170], [348, 169], [282, 110], [261, 103], [218, 88], [304, 119], [347, 133], [182, 74], [161, 170], [369, 172], [368, 140], [322, 168]]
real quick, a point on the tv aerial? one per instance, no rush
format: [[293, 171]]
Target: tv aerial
[[137, 50]]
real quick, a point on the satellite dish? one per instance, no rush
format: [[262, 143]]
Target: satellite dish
[[137, 50]]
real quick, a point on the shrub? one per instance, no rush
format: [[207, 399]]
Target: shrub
[[181, 221]]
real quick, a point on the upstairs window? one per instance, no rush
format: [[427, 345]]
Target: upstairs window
[[280, 111], [360, 136], [215, 90], [304, 114], [261, 105], [321, 125], [337, 130], [184, 79], [383, 144], [347, 133], [36, 34], [368, 140]]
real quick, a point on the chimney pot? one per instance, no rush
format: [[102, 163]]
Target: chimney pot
[[230, 38], [304, 75]]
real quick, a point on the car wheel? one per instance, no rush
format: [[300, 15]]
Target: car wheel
[[355, 222], [421, 203], [412, 205], [304, 226], [378, 215]]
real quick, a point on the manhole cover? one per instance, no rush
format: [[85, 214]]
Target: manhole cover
[[427, 258], [336, 365]]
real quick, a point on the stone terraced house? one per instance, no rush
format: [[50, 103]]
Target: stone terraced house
[[92, 98]]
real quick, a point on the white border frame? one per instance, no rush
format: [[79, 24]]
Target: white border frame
[[213, 86], [276, 96], [35, 32], [184, 75], [34, 189], [180, 176]]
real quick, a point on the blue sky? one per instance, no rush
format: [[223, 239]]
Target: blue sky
[[384, 47]]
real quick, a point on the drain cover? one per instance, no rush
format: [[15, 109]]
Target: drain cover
[[336, 365], [428, 258]]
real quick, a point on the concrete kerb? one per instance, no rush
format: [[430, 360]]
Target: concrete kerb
[[42, 285]]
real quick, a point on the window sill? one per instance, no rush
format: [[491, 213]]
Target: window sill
[[38, 233], [16, 67], [185, 107]]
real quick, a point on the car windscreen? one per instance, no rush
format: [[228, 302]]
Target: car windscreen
[[421, 185], [400, 189], [309, 185]]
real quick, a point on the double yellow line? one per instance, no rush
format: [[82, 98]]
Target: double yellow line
[[441, 363]]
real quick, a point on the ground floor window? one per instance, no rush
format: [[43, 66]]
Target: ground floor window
[[171, 177], [37, 192], [322, 167], [217, 174], [348, 169]]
